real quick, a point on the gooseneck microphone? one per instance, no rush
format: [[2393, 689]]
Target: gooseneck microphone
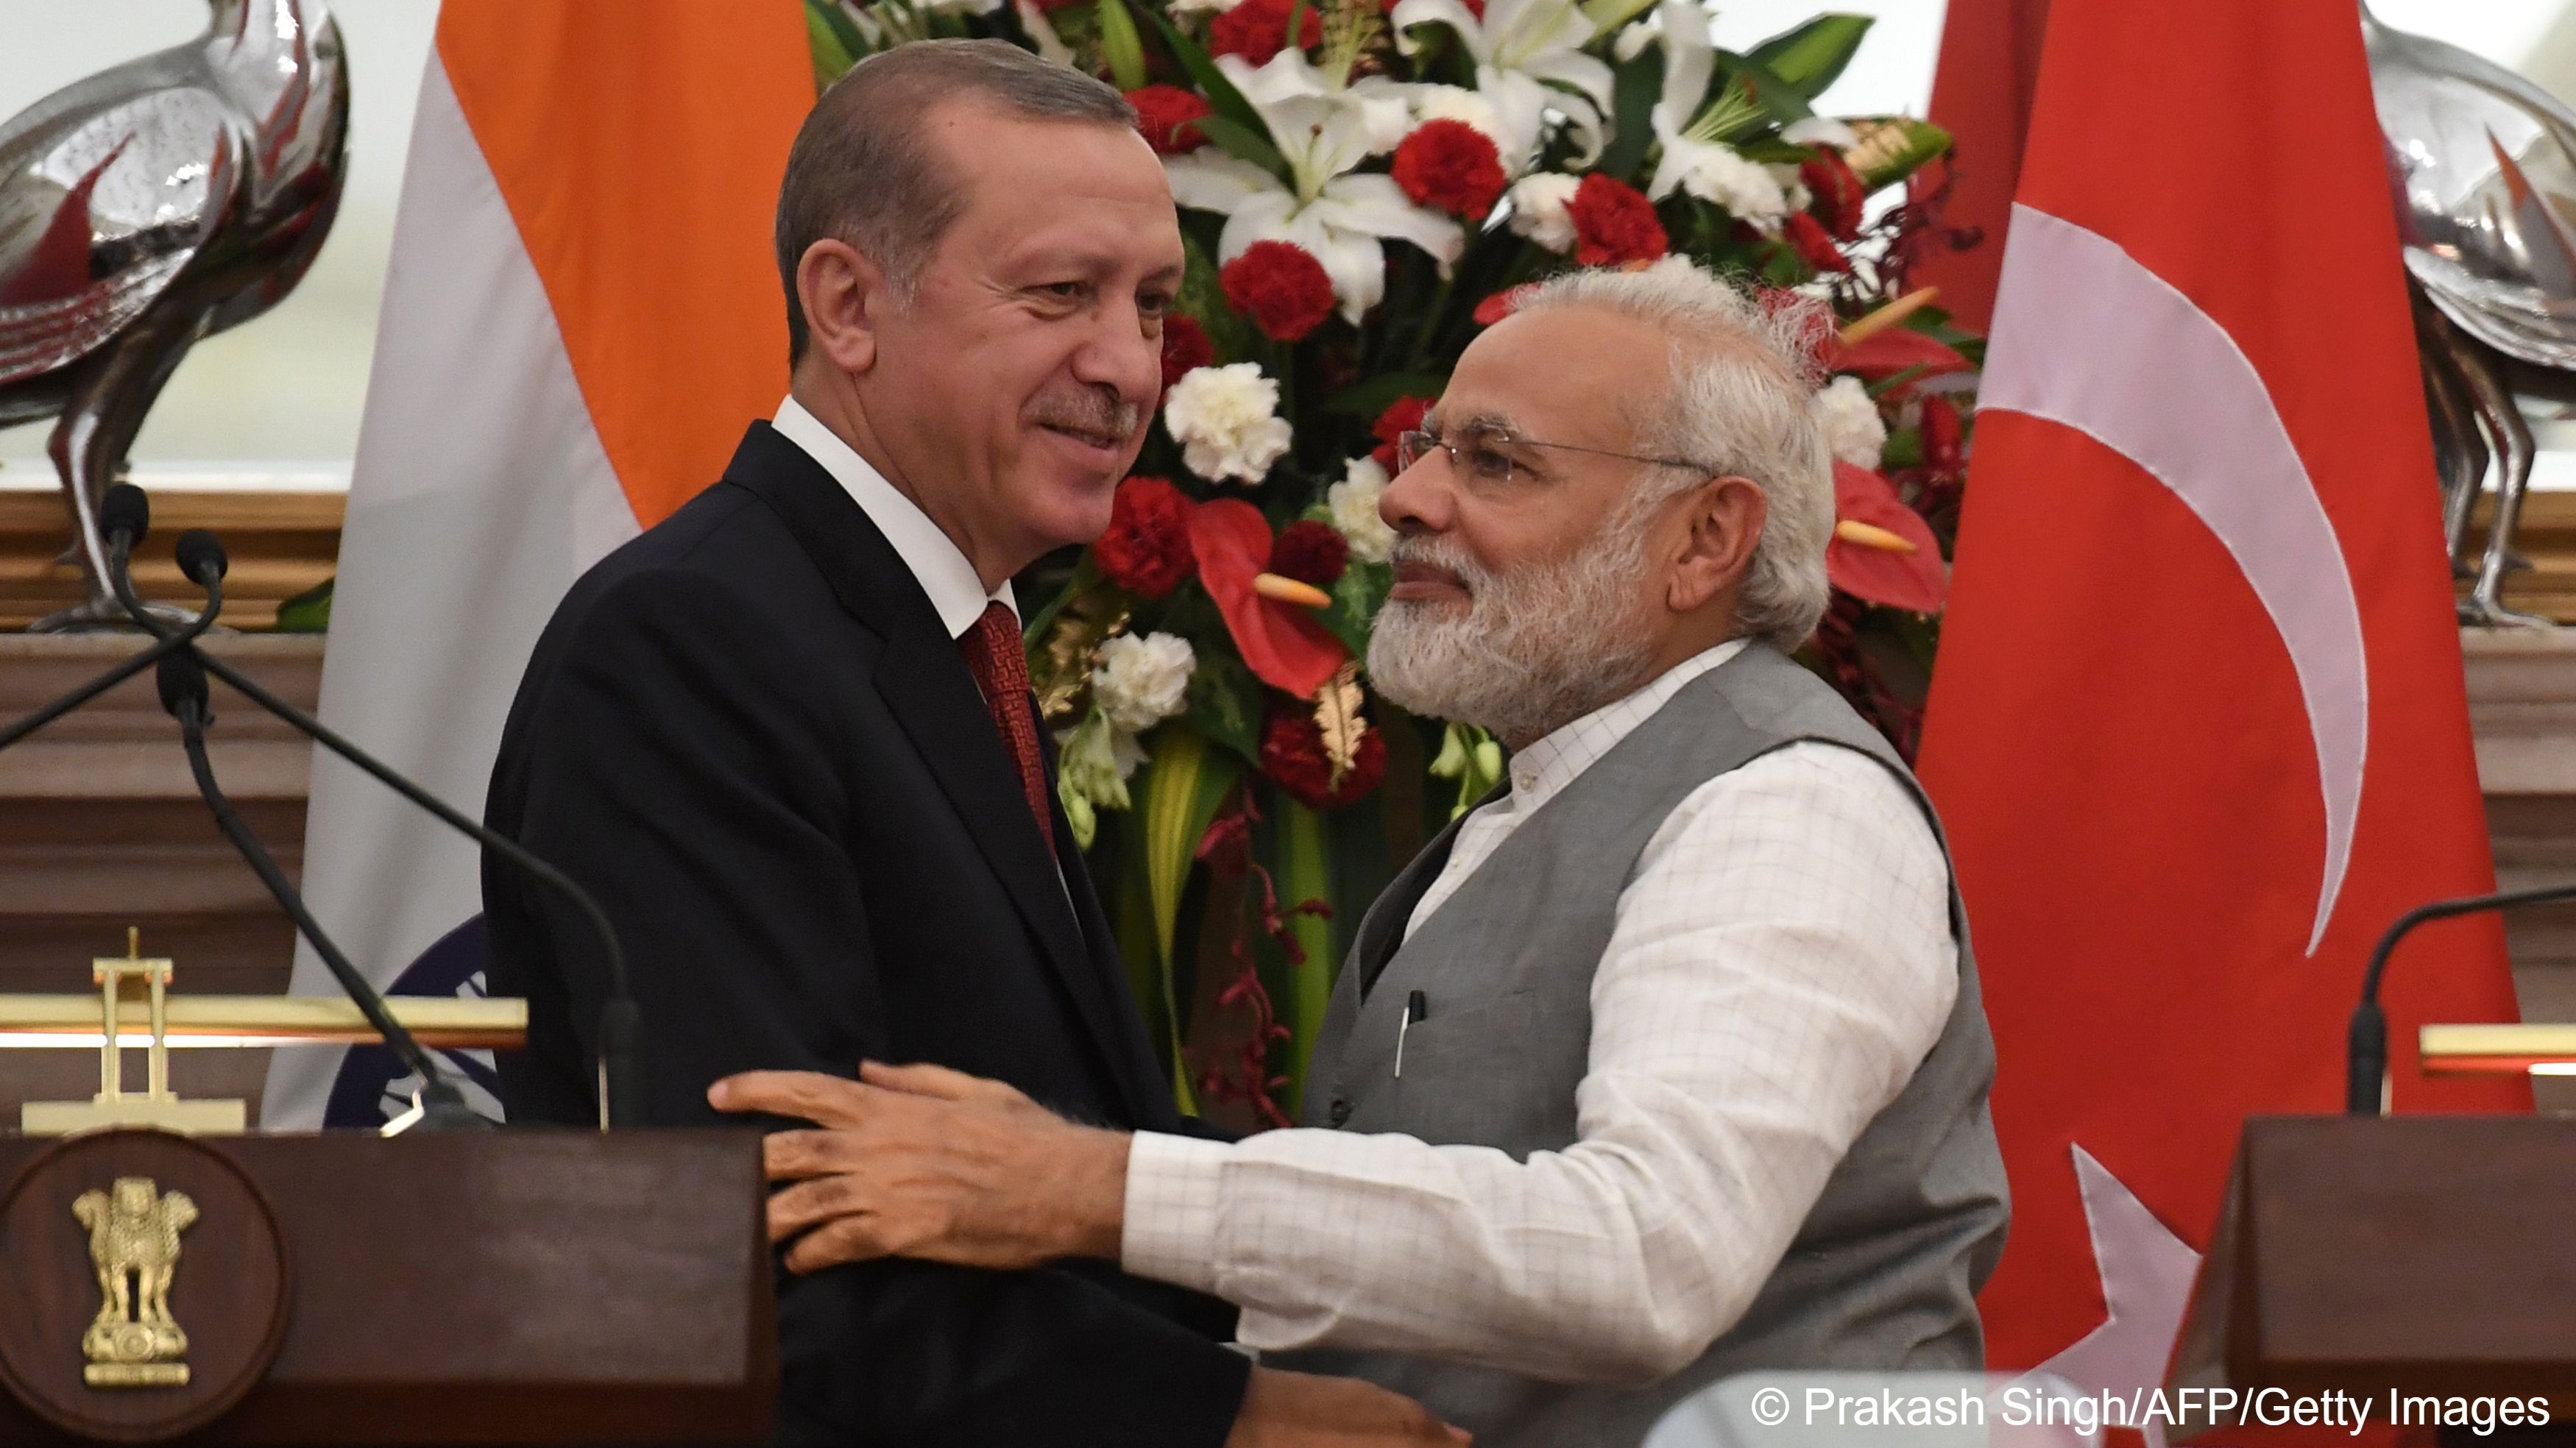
[[182, 683], [125, 514], [2366, 1040], [621, 1035]]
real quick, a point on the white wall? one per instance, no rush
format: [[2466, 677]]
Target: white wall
[[287, 387]]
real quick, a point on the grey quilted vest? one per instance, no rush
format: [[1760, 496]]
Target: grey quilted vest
[[1883, 1274]]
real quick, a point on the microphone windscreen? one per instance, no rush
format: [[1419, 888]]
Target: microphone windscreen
[[125, 510], [202, 556], [182, 679]]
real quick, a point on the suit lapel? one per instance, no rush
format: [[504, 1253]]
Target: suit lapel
[[932, 694]]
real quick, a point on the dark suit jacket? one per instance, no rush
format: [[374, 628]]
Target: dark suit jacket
[[749, 735]]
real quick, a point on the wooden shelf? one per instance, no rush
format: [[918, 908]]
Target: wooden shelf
[[281, 544]]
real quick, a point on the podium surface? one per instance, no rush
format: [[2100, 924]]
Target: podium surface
[[2420, 1255], [508, 1287]]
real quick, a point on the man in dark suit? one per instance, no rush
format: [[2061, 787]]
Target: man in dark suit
[[786, 737]]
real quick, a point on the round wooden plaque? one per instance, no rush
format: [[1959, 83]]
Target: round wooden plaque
[[88, 1369]]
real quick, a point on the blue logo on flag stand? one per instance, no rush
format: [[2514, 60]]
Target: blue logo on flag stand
[[374, 1086]]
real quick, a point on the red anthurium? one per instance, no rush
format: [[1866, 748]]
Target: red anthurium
[[1882, 355], [1869, 562], [1281, 643]]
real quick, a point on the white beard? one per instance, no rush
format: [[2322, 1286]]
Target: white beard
[[1531, 651]]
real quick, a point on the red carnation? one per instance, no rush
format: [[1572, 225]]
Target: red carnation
[[1147, 548], [1186, 348], [1815, 246], [1292, 754], [1258, 29], [1280, 285], [1613, 222], [1310, 552], [1164, 113], [1450, 166], [1405, 416]]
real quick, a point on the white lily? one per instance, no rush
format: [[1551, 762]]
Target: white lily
[[1694, 158], [1342, 219], [1527, 53]]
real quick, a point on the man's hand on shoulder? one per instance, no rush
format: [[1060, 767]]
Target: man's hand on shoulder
[[922, 1161], [1304, 1410]]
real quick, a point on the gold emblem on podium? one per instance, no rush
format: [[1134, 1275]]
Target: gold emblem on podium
[[134, 1230]]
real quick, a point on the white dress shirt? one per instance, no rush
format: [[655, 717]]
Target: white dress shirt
[[1781, 963], [935, 560]]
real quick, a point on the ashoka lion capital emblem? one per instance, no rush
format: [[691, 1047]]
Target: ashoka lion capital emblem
[[134, 1232]]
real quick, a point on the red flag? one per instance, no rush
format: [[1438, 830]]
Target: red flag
[[2199, 730], [1981, 94]]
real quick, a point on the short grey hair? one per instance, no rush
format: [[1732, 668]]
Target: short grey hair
[[1742, 404], [863, 172]]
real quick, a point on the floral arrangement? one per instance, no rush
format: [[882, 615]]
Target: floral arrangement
[[1363, 184]]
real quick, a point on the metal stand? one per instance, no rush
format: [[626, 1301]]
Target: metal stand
[[120, 978]]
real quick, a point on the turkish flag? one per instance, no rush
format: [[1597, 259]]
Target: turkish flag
[[2199, 731], [1981, 94]]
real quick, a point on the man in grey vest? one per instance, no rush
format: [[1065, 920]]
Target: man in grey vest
[[1666, 1062]]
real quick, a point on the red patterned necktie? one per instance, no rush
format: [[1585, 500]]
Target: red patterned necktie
[[992, 649]]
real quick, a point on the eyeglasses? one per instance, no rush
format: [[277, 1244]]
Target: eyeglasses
[[1479, 453]]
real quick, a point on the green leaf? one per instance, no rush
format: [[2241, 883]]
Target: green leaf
[[1357, 595], [1608, 15], [1810, 56], [1892, 148], [1377, 394], [1361, 592], [1225, 703], [1202, 300], [1305, 873], [1904, 447], [835, 43], [1086, 576], [1772, 92], [1184, 783], [1118, 858], [1245, 143], [1636, 88], [1211, 82], [1120, 46], [307, 612]]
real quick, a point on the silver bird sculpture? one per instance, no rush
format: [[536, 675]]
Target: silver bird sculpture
[[150, 205], [2483, 167]]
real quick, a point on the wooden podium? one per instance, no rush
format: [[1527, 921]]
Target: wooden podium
[[2421, 1255], [507, 1287]]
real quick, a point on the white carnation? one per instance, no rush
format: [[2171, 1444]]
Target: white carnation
[[1850, 422], [1795, 190], [1353, 502], [1541, 209], [1818, 131], [1140, 681], [1721, 174], [1226, 421]]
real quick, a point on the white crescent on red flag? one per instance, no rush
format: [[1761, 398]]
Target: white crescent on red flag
[[2199, 730]]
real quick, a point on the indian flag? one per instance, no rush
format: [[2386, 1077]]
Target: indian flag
[[581, 316]]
